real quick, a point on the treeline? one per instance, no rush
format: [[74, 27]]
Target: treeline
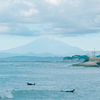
[[76, 58]]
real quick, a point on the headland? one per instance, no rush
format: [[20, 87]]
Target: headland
[[90, 62]]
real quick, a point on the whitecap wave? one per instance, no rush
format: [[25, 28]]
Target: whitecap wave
[[6, 94]]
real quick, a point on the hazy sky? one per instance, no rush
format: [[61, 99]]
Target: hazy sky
[[75, 22]]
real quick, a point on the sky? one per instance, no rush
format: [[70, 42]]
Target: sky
[[74, 22]]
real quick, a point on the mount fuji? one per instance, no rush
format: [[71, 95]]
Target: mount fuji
[[47, 46]]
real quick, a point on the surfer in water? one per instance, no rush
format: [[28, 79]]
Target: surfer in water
[[31, 83], [68, 91]]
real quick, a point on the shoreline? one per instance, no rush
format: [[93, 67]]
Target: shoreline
[[92, 62], [87, 64]]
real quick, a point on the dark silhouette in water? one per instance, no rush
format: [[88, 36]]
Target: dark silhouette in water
[[31, 83], [68, 91]]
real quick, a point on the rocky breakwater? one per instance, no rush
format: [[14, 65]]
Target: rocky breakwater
[[91, 62]]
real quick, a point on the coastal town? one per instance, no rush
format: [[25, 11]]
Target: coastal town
[[91, 62], [85, 60]]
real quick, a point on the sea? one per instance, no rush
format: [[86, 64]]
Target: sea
[[50, 78]]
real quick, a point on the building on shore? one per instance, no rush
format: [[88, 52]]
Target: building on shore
[[94, 58]]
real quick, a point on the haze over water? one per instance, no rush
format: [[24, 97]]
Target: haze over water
[[51, 77], [72, 27]]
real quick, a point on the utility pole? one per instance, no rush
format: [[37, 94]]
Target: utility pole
[[94, 52]]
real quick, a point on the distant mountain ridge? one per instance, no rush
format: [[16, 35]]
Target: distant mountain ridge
[[47, 45], [31, 58], [5, 55]]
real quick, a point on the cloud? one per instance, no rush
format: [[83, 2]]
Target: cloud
[[15, 29], [28, 13], [54, 2], [57, 17]]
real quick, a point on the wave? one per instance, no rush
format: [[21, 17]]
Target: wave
[[6, 94], [9, 94]]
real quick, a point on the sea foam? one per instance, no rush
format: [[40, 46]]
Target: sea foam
[[6, 94]]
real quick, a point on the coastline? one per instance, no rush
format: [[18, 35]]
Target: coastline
[[92, 62]]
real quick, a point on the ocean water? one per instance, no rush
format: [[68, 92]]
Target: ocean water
[[50, 78]]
